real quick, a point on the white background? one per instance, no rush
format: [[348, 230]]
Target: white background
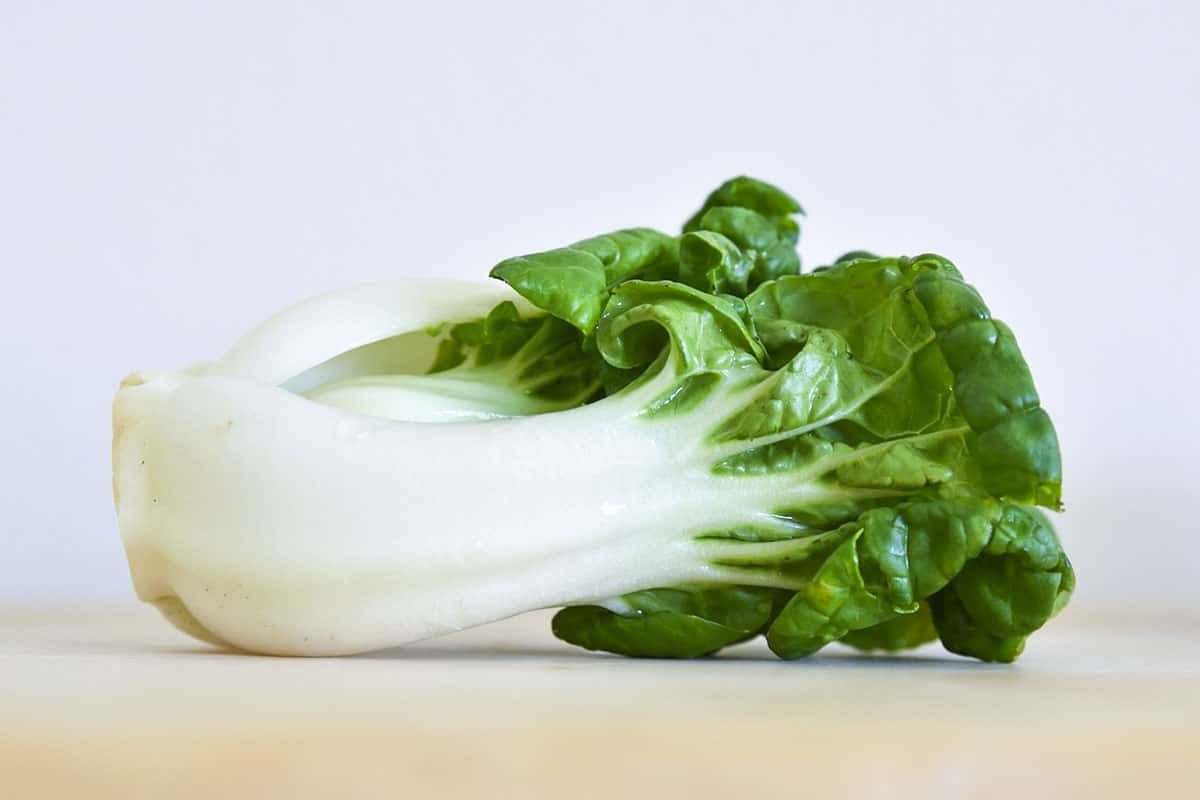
[[172, 173]]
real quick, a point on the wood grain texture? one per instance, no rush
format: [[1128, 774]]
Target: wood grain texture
[[113, 703]]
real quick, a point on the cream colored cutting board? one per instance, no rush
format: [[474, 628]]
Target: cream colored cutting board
[[114, 703]]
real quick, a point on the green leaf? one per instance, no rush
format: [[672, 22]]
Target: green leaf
[[742, 192], [1015, 440], [668, 623], [835, 602], [930, 358], [573, 283], [856, 255], [763, 253], [864, 395], [817, 385], [493, 338], [963, 635], [1020, 580], [745, 227], [889, 560], [541, 356], [898, 633], [646, 320], [503, 364], [712, 263]]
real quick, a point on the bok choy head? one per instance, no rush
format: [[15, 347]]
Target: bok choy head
[[684, 440]]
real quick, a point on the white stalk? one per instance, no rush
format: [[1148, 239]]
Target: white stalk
[[284, 526], [260, 519], [256, 517], [336, 324]]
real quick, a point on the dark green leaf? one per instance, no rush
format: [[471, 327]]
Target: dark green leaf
[[668, 623], [1020, 580], [890, 559]]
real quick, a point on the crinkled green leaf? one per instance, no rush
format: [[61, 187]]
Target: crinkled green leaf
[[963, 635], [712, 263], [704, 332], [1015, 440], [1020, 580], [752, 251], [573, 283], [891, 558], [938, 360]]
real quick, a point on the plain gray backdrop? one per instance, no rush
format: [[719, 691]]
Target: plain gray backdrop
[[171, 173]]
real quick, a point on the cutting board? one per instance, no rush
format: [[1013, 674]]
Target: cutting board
[[111, 702]]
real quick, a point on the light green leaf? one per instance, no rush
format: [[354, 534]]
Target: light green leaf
[[573, 283]]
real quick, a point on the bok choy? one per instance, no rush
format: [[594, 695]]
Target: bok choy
[[683, 441]]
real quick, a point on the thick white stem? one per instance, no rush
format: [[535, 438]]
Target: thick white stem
[[284, 526], [334, 325]]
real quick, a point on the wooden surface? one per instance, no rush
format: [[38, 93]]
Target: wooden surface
[[114, 703]]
